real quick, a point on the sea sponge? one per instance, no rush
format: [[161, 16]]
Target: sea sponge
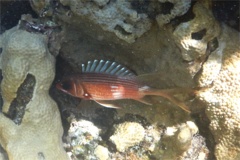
[[39, 133]]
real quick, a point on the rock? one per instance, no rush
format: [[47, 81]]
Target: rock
[[127, 134]]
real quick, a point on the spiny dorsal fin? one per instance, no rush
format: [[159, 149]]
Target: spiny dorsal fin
[[107, 67]]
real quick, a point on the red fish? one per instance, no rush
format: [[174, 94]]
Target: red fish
[[102, 81]]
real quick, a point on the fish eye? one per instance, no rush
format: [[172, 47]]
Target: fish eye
[[67, 85]]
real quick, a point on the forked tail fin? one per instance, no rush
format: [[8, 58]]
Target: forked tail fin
[[170, 93]]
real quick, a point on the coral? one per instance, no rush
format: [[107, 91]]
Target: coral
[[192, 37], [216, 46], [129, 20], [223, 98], [39, 133], [127, 135], [83, 138], [184, 141], [116, 17], [198, 149], [180, 7], [101, 152]]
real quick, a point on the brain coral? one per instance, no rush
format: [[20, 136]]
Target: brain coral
[[223, 98], [39, 135]]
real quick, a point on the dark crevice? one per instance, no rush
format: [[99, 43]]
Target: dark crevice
[[212, 45], [121, 30], [184, 18], [3, 153], [11, 11], [1, 100], [227, 12], [203, 124], [151, 8], [199, 35], [166, 8], [1, 50], [41, 156], [141, 6], [67, 104], [24, 95]]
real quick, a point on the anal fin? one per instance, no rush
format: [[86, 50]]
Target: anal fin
[[143, 100], [107, 104]]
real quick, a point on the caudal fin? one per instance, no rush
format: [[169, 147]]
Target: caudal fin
[[170, 95]]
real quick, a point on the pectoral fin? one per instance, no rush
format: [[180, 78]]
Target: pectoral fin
[[107, 104]]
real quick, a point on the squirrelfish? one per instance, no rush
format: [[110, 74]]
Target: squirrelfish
[[103, 81]]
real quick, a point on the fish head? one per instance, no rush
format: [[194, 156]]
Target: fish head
[[70, 87]]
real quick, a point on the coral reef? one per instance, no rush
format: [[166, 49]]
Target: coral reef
[[222, 99], [83, 137], [38, 133], [179, 42], [129, 20], [179, 9], [198, 40], [101, 152], [116, 17], [127, 135], [193, 36], [184, 141], [219, 70]]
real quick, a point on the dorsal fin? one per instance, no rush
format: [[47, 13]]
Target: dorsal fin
[[107, 67]]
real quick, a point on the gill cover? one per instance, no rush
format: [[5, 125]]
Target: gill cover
[[68, 86]]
